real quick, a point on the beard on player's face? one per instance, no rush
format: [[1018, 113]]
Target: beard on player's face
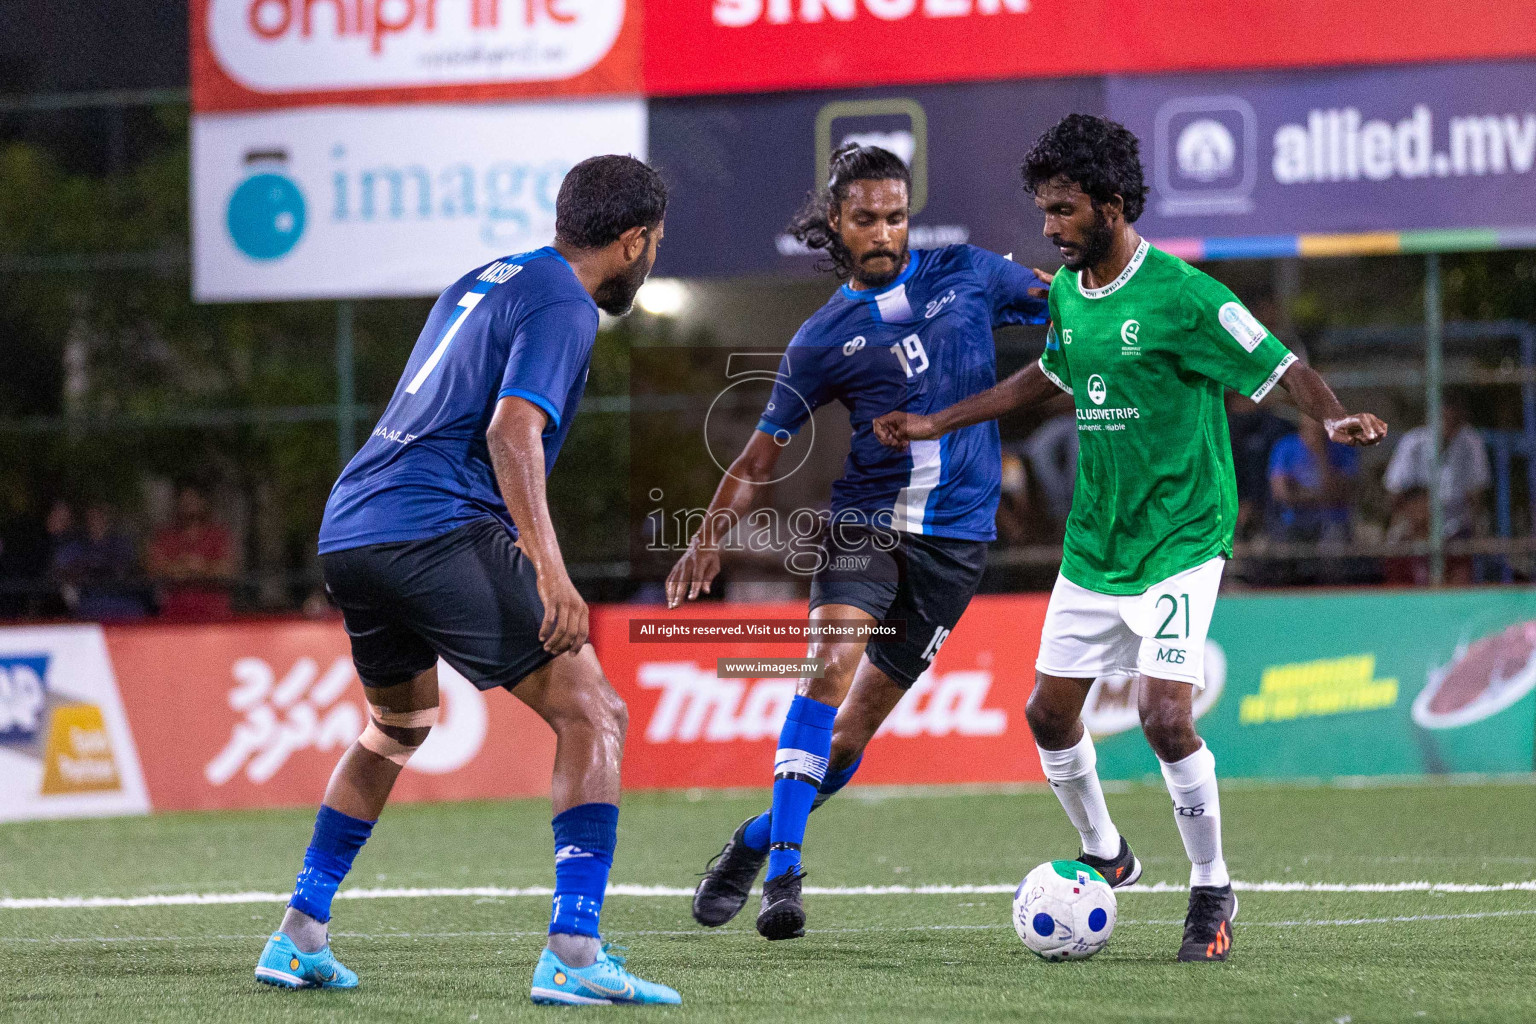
[[616, 295], [879, 265], [1092, 248]]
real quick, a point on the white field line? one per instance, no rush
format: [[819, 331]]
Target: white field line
[[498, 892], [700, 933]]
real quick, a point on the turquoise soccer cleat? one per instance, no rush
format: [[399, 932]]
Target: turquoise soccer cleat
[[282, 964], [604, 983]]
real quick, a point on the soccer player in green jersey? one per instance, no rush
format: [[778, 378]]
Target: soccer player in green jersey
[[1146, 345]]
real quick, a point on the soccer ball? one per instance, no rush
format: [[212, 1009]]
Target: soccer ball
[[1064, 910]]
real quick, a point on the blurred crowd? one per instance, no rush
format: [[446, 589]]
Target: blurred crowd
[[1294, 486], [178, 559], [83, 561]]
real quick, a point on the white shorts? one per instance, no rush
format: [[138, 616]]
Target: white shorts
[[1160, 633]]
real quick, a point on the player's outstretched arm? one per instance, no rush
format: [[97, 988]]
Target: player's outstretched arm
[[1027, 387], [700, 564], [516, 443], [1312, 395]]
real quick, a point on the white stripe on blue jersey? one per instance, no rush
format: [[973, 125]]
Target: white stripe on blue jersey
[[921, 344]]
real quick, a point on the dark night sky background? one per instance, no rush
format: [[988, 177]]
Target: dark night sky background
[[74, 45]]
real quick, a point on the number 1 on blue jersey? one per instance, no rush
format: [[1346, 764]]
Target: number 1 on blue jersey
[[914, 360]]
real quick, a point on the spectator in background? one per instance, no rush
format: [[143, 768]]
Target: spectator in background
[[1052, 454], [193, 560], [97, 570], [26, 562], [1310, 485], [1013, 509], [59, 530], [1254, 431], [1464, 481]]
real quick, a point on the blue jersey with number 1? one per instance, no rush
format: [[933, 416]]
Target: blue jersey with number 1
[[920, 344], [520, 326]]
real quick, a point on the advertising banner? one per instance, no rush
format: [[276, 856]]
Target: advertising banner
[[357, 202], [715, 46], [65, 746], [1333, 162], [1390, 683], [962, 721], [257, 715], [262, 54], [739, 167]]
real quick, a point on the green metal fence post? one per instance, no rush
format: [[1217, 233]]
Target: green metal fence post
[[346, 391]]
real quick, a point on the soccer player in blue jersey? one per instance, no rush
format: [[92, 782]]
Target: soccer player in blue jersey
[[437, 542], [911, 329]]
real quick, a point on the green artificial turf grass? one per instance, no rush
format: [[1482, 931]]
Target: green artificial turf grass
[[880, 958]]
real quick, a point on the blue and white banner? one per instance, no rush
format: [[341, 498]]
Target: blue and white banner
[[66, 749], [1263, 156], [364, 202]]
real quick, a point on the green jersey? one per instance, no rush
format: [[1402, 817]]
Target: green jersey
[[1146, 359]]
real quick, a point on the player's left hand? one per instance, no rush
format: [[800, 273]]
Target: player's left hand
[[565, 613], [1040, 293], [897, 429], [693, 574], [1358, 430]]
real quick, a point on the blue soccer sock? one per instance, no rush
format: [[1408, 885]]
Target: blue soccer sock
[[835, 781], [799, 766], [756, 834], [585, 836], [336, 841]]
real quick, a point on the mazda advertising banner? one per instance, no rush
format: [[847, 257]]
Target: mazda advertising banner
[[740, 166], [1447, 148]]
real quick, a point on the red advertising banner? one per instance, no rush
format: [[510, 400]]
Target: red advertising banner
[[256, 714], [260, 54], [717, 46], [962, 722]]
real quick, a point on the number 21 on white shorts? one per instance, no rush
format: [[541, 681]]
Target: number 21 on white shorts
[[1160, 633]]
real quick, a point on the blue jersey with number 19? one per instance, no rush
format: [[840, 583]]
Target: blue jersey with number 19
[[922, 343], [523, 326]]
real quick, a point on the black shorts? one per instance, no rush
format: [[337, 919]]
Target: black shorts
[[926, 582], [469, 596]]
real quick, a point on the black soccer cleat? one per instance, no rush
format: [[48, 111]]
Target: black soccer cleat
[[783, 912], [728, 880], [1208, 926], [1118, 871]]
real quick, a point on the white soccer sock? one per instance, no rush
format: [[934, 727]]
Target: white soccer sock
[[1073, 775], [1197, 812]]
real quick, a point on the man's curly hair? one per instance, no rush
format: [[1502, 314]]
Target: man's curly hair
[[852, 162], [1102, 157]]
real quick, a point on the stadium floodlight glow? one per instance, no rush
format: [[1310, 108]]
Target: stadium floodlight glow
[[663, 296]]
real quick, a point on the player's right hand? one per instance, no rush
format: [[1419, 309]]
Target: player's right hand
[[693, 574], [1358, 430], [565, 614], [896, 429]]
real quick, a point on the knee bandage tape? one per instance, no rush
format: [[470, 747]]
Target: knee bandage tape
[[386, 746]]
